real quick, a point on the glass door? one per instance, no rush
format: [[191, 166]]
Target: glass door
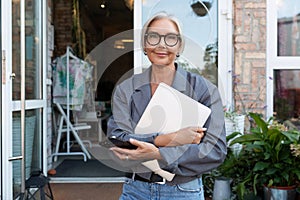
[[207, 28], [23, 99]]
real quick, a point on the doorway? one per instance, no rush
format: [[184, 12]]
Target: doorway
[[99, 30], [105, 32]]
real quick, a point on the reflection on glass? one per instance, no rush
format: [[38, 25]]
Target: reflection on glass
[[32, 146], [199, 22], [32, 51], [288, 24], [287, 95]]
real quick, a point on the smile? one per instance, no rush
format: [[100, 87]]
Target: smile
[[161, 54]]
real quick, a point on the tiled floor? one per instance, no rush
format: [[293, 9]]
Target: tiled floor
[[86, 191]]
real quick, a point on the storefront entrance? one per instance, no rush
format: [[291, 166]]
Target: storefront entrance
[[106, 41], [35, 34], [103, 50]]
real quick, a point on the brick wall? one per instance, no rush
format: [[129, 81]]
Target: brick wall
[[249, 55], [62, 21], [49, 94]]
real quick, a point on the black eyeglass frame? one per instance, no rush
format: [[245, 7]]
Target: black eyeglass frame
[[164, 36]]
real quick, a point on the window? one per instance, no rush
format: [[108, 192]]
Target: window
[[283, 58]]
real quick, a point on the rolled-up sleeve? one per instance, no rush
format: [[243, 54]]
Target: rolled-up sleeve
[[120, 124]]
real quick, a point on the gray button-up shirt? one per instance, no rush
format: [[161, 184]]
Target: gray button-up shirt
[[130, 99]]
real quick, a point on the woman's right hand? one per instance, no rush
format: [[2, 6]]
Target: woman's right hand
[[189, 135]]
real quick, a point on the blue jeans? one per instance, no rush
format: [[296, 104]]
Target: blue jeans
[[138, 190]]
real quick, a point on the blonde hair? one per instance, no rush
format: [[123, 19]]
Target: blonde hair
[[163, 15]]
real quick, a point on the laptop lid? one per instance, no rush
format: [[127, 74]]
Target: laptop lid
[[170, 110]]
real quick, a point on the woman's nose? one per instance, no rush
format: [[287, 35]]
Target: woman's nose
[[162, 41]]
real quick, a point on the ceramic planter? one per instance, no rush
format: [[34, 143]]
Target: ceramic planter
[[222, 189], [235, 124], [280, 193]]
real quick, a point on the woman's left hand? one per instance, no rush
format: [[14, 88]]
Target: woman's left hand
[[145, 151]]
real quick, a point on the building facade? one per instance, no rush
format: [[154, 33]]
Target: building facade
[[251, 51]]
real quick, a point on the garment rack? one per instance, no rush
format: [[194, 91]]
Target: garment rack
[[66, 117]]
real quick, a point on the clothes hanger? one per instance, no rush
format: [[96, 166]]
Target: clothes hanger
[[70, 53]]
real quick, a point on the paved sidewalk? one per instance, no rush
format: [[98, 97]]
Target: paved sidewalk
[[86, 191]]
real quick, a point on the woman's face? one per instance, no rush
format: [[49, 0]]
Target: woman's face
[[162, 42]]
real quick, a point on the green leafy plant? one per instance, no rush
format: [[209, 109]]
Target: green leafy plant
[[239, 167], [231, 114], [270, 156], [269, 145]]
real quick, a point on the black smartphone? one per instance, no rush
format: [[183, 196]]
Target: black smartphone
[[121, 144]]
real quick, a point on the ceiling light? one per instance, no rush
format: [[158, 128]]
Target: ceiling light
[[119, 44], [102, 5], [127, 40], [129, 4]]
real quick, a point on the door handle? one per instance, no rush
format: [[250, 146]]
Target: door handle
[[12, 76], [15, 158]]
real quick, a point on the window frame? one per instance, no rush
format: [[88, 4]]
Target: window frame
[[275, 62]]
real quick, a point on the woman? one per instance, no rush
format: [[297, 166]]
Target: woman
[[187, 153]]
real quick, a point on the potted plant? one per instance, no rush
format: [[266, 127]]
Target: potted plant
[[234, 121], [271, 146], [236, 168]]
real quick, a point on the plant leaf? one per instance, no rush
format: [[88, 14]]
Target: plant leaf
[[270, 183], [246, 138], [232, 135], [260, 166], [271, 171], [259, 122], [293, 136], [297, 172]]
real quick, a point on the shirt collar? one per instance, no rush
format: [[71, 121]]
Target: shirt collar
[[179, 82]]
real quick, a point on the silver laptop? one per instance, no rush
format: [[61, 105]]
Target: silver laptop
[[170, 110]]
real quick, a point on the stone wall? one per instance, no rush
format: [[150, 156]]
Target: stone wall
[[249, 55]]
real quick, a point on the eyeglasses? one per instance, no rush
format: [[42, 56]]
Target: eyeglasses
[[170, 39]]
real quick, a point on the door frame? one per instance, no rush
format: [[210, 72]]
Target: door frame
[[1, 176], [6, 30], [8, 106]]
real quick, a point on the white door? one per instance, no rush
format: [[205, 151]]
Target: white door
[[23, 93]]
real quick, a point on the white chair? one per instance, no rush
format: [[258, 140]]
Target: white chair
[[92, 118], [70, 128]]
